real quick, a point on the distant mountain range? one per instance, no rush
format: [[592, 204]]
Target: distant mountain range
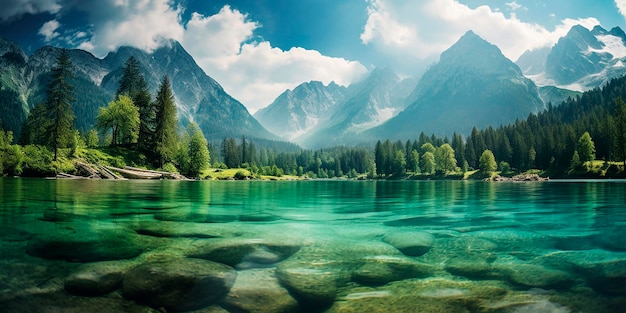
[[581, 60], [199, 98], [472, 85]]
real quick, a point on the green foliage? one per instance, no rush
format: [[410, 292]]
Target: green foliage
[[620, 129], [165, 133], [199, 156], [586, 148], [34, 128], [38, 161], [92, 139], [444, 158], [575, 162], [121, 117], [487, 162], [428, 147], [399, 163], [169, 167], [133, 84], [240, 175], [413, 161], [60, 95], [428, 163], [504, 167]]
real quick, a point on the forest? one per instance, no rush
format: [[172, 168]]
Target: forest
[[139, 129]]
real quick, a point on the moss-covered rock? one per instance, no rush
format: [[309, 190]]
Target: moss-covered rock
[[258, 290], [411, 243], [178, 284], [94, 279]]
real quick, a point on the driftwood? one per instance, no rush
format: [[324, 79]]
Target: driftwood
[[97, 171]]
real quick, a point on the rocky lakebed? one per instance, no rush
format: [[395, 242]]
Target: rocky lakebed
[[171, 260]]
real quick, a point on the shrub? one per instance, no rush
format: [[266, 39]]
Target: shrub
[[240, 175]]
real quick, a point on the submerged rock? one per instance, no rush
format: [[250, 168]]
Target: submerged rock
[[258, 290], [195, 217], [384, 269], [531, 275], [178, 284], [470, 266], [313, 287], [86, 247], [94, 279], [411, 243], [250, 252]]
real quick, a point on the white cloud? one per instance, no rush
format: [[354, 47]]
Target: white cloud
[[48, 30], [422, 31], [142, 24], [514, 6], [621, 7], [16, 8], [255, 73]]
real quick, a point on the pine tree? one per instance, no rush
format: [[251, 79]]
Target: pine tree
[[134, 85], [60, 95], [165, 132], [586, 148], [620, 128], [199, 156]]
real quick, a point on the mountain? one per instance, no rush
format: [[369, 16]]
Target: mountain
[[581, 60], [198, 97], [367, 104], [296, 112], [473, 84]]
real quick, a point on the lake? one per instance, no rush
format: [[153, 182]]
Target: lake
[[312, 246]]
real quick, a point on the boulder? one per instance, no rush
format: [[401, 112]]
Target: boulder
[[258, 290], [94, 279], [384, 269], [178, 284], [247, 252], [531, 275], [470, 266], [411, 243]]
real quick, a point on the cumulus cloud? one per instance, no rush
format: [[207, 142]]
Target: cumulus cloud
[[621, 7], [514, 6], [49, 30], [16, 8], [142, 24], [254, 72], [421, 31]]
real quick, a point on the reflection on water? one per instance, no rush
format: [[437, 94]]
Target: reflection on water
[[314, 246]]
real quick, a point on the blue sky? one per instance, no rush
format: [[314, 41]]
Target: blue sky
[[258, 48]]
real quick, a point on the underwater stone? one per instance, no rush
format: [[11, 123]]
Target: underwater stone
[[536, 276], [384, 269], [178, 284], [196, 217], [469, 266], [259, 217], [252, 251], [258, 290], [410, 243], [85, 247], [314, 288], [94, 279]]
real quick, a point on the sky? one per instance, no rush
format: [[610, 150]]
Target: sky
[[256, 49]]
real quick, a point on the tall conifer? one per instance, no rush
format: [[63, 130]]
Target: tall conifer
[[165, 132], [60, 95]]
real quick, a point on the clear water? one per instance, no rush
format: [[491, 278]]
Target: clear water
[[317, 246]]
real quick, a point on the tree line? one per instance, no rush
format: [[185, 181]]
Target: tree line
[[590, 126]]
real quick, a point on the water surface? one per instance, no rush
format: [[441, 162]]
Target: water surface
[[314, 246]]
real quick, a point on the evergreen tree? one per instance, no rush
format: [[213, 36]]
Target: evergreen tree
[[59, 98], [199, 156], [399, 163], [35, 126], [413, 161], [165, 132], [487, 162], [134, 85], [620, 129], [586, 148]]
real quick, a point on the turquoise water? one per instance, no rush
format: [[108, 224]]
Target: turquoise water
[[312, 246]]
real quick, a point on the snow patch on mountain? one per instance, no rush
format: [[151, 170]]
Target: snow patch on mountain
[[612, 45]]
